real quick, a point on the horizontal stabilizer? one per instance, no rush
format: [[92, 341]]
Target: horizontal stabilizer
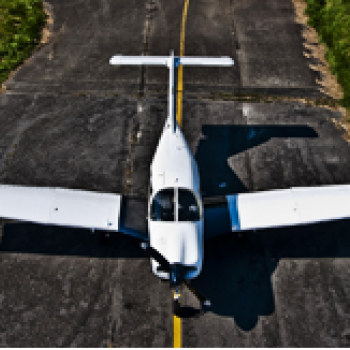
[[295, 206], [206, 61], [166, 61], [58, 206], [120, 60]]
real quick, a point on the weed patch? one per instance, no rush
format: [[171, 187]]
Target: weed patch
[[21, 23], [331, 19]]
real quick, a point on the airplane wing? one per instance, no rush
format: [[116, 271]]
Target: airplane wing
[[64, 207], [276, 208]]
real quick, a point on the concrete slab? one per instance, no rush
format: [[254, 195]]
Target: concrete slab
[[297, 146], [270, 46], [74, 141]]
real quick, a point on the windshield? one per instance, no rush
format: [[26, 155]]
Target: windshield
[[188, 206], [163, 206]]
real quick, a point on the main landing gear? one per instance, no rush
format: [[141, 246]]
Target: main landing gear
[[103, 236]]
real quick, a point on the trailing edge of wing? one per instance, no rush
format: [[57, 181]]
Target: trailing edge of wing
[[295, 206], [60, 206]]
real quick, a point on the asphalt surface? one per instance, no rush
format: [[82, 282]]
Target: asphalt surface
[[62, 125], [263, 40]]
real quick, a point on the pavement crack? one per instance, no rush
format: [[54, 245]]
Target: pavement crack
[[152, 7], [55, 41], [235, 44], [247, 159], [132, 141]]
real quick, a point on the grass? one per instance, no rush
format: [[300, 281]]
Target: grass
[[21, 23], [331, 20]]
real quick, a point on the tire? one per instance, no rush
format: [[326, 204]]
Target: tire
[[105, 237], [177, 308]]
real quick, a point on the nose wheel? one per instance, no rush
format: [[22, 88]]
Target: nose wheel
[[176, 301]]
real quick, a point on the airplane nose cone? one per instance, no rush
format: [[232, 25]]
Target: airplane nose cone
[[178, 273], [178, 242]]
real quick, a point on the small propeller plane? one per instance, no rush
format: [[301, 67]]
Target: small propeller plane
[[179, 220]]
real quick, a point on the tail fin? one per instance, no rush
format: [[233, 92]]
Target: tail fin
[[172, 62]]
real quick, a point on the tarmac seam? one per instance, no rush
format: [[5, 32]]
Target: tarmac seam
[[235, 43], [247, 160], [272, 261]]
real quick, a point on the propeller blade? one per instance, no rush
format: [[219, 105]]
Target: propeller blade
[[203, 300], [164, 263]]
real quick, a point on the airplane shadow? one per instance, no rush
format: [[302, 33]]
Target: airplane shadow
[[237, 272], [54, 240], [220, 142]]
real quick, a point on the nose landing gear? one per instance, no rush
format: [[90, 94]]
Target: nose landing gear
[[176, 301]]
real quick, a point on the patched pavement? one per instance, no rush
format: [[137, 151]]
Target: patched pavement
[[68, 120]]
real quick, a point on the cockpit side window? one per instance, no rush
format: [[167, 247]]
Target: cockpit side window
[[163, 206], [188, 206]]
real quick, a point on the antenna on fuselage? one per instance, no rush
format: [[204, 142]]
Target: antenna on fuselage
[[172, 62]]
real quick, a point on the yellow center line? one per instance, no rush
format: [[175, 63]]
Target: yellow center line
[[177, 331], [177, 320], [180, 69]]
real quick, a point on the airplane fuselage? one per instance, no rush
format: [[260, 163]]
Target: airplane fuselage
[[175, 211]]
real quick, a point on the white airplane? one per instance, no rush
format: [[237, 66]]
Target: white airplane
[[178, 219]]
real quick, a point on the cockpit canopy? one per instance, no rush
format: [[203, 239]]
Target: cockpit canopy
[[175, 204]]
